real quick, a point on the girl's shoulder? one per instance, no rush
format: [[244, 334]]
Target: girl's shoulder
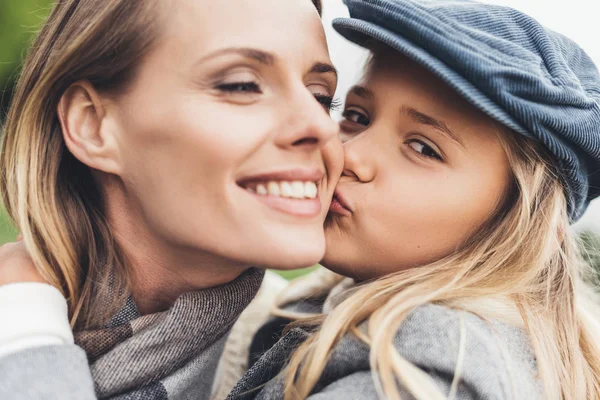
[[494, 360], [447, 330]]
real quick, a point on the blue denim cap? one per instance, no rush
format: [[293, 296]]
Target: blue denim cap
[[531, 79]]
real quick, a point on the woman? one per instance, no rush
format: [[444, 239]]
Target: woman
[[471, 144], [155, 151]]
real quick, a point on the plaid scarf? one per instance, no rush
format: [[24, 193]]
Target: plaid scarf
[[168, 355]]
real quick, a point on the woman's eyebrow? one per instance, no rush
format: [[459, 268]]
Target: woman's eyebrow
[[424, 119], [323, 68], [266, 58], [262, 57]]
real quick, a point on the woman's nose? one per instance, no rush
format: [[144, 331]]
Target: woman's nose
[[309, 126]]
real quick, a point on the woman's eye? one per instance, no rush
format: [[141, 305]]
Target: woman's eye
[[356, 117], [239, 87], [423, 149], [329, 103]]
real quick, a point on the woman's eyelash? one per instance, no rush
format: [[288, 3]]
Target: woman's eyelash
[[242, 87], [329, 102]]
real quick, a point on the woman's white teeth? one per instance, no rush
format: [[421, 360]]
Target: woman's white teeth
[[310, 190], [295, 189], [261, 189], [286, 189], [273, 189]]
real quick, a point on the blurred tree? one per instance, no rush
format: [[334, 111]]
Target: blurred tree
[[590, 245], [19, 20]]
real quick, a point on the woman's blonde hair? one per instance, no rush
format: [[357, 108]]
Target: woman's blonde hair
[[525, 257], [52, 197]]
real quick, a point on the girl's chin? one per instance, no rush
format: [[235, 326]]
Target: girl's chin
[[335, 267]]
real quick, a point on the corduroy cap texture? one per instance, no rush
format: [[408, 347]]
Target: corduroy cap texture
[[532, 80]]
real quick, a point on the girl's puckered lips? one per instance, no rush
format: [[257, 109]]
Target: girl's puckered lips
[[339, 205]]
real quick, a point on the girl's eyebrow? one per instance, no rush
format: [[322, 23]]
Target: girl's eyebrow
[[362, 91], [424, 119], [417, 116]]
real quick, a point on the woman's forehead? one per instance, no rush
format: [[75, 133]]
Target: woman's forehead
[[221, 18], [197, 28]]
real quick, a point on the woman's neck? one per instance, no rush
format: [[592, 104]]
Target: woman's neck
[[159, 275], [160, 272], [155, 285]]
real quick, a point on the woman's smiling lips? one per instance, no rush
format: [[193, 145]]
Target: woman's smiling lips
[[293, 191], [339, 205]]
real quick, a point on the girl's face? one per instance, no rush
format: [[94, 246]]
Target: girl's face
[[232, 103], [423, 169]]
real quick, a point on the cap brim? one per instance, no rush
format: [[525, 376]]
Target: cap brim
[[362, 32]]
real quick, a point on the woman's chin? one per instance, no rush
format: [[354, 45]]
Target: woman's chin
[[296, 262], [295, 255]]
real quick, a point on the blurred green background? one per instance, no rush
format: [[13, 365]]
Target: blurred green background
[[19, 21]]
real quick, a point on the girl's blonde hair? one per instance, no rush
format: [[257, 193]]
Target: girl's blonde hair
[[525, 257], [52, 197]]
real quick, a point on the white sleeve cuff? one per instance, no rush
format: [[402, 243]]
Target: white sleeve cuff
[[32, 315]]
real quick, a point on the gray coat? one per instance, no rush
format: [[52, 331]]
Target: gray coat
[[498, 364]]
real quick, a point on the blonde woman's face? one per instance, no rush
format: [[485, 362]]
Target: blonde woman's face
[[233, 103], [422, 170]]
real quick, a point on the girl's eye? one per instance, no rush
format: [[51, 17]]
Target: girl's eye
[[329, 103], [423, 149], [355, 116], [239, 87]]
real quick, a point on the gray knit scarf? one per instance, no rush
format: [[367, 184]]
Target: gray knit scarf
[[168, 355]]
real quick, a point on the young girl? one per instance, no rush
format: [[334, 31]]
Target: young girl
[[154, 152], [471, 144]]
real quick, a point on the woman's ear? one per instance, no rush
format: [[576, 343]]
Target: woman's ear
[[86, 131]]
